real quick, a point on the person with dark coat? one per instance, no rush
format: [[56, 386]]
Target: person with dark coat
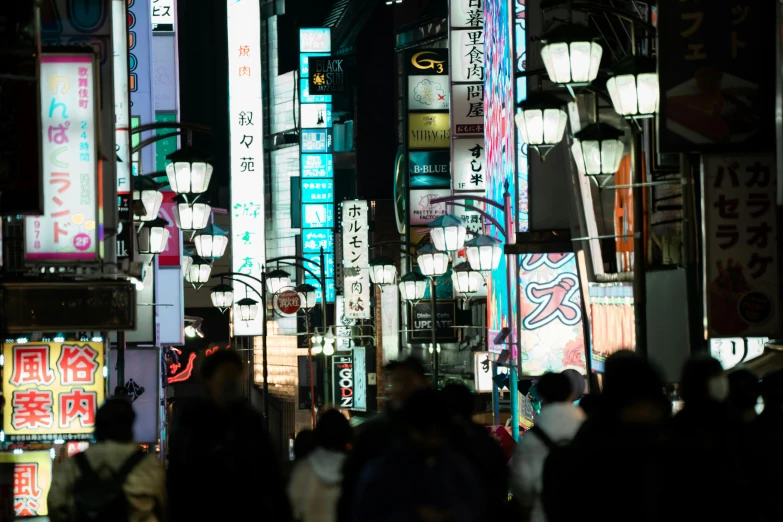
[[221, 459], [765, 460]]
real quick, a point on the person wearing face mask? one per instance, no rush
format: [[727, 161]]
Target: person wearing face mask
[[220, 439]]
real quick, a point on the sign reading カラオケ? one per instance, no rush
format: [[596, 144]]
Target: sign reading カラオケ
[[52, 390], [69, 229]]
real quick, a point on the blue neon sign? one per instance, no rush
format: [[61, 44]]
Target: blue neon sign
[[315, 239], [317, 215], [318, 191], [305, 97], [317, 166], [317, 140]]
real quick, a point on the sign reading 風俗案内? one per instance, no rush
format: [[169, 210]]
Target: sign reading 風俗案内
[[32, 478]]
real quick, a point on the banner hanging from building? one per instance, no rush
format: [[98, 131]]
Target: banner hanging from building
[[740, 245], [246, 125], [32, 481], [71, 227], [356, 259], [52, 390], [121, 93]]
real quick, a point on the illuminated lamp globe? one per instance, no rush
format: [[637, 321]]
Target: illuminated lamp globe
[[307, 295], [466, 280], [432, 262], [189, 172], [153, 236], [484, 253], [597, 149], [211, 242], [146, 198], [412, 286], [198, 272], [571, 54], [329, 343], [222, 297], [383, 271], [276, 280], [247, 308], [187, 260], [541, 121], [317, 343], [633, 88], [447, 233], [190, 213]]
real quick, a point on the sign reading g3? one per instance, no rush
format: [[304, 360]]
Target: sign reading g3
[[435, 64]]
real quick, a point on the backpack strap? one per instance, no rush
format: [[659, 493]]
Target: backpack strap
[[128, 466], [543, 437], [84, 466]]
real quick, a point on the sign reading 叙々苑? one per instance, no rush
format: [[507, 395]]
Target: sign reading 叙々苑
[[69, 229], [52, 390], [356, 260], [32, 480]]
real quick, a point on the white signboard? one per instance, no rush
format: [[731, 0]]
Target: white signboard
[[470, 218], [428, 93], [423, 210], [69, 229], [469, 162], [343, 329], [483, 371], [467, 111], [736, 350], [467, 13], [356, 259], [247, 150], [316, 115], [390, 323], [741, 245], [121, 94], [163, 14], [467, 55]]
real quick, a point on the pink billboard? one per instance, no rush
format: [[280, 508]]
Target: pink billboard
[[171, 255]]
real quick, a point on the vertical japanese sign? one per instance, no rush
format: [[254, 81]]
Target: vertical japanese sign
[[52, 390], [141, 85], [714, 94], [551, 337], [466, 41], [520, 59], [356, 259], [163, 14], [70, 228], [740, 245], [32, 480], [247, 150], [342, 377], [317, 166], [121, 94]]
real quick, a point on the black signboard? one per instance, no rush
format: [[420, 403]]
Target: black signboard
[[125, 227], [717, 76], [421, 322], [304, 381], [427, 61], [327, 76], [343, 381]]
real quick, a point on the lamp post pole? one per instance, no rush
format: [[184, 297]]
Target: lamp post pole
[[322, 260], [434, 334], [263, 349]]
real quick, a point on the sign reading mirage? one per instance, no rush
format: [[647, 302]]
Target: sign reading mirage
[[326, 75]]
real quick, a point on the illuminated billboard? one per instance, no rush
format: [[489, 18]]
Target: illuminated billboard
[[551, 337], [520, 59], [52, 390], [32, 481]]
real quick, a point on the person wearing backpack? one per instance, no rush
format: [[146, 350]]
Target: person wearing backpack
[[113, 480], [556, 426]]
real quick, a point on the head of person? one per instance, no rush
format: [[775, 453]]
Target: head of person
[[114, 421], [221, 373], [405, 378], [772, 391], [459, 401], [577, 381], [744, 391], [426, 419], [333, 432], [554, 388], [703, 381], [633, 391], [304, 443]]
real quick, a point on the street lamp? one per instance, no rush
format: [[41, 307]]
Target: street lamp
[[191, 215], [211, 242], [412, 286], [307, 295], [466, 280], [329, 343], [248, 309], [447, 233], [541, 121], [198, 272], [484, 253], [222, 297], [432, 262], [597, 149], [146, 198], [571, 54], [152, 236], [276, 280], [187, 261], [633, 87], [189, 172], [383, 271]]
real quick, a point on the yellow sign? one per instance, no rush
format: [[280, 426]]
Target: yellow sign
[[32, 480], [424, 60], [52, 390], [429, 130]]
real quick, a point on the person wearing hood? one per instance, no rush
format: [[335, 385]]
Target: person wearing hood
[[314, 488]]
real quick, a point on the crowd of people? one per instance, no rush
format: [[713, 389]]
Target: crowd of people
[[617, 454]]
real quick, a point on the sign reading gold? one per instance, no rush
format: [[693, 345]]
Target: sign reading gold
[[429, 130]]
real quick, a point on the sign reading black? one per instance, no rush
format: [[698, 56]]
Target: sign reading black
[[427, 61], [327, 76], [715, 95], [421, 322]]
